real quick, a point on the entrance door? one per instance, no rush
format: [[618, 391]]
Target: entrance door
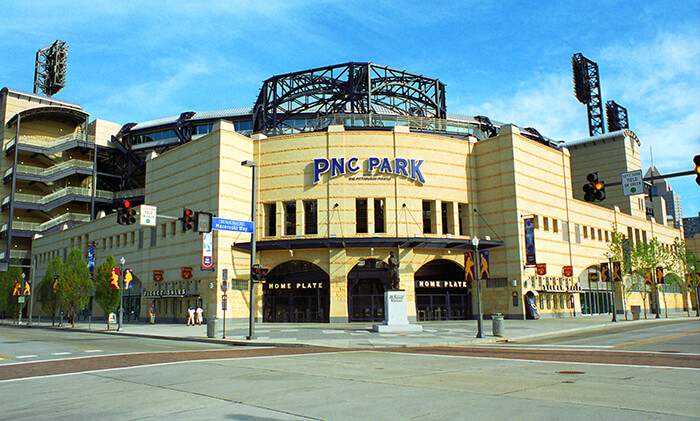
[[298, 292], [441, 292], [366, 286]]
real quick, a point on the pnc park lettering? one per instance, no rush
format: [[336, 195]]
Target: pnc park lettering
[[409, 168]]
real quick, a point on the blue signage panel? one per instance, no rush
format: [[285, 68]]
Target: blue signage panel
[[232, 225]]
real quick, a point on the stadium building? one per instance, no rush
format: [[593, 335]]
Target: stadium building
[[351, 162]]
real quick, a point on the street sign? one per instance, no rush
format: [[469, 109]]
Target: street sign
[[232, 225], [148, 215], [632, 183]]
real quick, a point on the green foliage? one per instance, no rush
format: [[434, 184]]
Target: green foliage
[[74, 285], [45, 291], [9, 302], [107, 298]]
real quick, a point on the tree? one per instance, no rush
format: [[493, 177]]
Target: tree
[[9, 304], [46, 294], [106, 297], [74, 283], [683, 264], [630, 283], [647, 257]]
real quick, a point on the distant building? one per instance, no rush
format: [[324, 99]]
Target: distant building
[[691, 226], [674, 211]]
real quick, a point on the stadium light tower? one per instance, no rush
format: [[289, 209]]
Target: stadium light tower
[[587, 91], [50, 68]]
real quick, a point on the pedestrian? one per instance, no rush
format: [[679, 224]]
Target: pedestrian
[[190, 316], [71, 316], [200, 314], [152, 313]]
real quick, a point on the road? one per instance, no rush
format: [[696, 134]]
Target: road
[[636, 374]]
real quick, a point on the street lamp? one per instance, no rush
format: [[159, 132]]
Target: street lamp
[[121, 287], [253, 214], [611, 278], [480, 320]]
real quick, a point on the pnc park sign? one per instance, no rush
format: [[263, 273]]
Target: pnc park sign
[[409, 168]]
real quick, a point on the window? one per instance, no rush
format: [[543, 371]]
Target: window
[[644, 236], [549, 301], [600, 234], [310, 217], [463, 218], [290, 218], [270, 210], [555, 225], [585, 232], [447, 217], [541, 302], [607, 236], [545, 223], [577, 229], [592, 233], [630, 235], [361, 215], [427, 217], [379, 215], [556, 302]]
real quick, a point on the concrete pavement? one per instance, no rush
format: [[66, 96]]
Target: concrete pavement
[[361, 335]]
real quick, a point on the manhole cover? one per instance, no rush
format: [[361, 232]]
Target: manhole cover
[[571, 372]]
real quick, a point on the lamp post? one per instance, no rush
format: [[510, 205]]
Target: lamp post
[[121, 287], [611, 274], [32, 268], [480, 320], [253, 214], [21, 299]]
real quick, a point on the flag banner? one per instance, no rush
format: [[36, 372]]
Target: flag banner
[[605, 272], [484, 272], [469, 266], [530, 242], [17, 288], [55, 283], [617, 272], [659, 275], [27, 288], [207, 250], [114, 279], [128, 278]]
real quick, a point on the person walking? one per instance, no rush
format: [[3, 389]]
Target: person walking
[[200, 315], [152, 313], [71, 317], [190, 316]]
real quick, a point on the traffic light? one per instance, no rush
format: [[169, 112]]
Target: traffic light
[[696, 161], [594, 189], [187, 220], [256, 272], [126, 214], [263, 274]]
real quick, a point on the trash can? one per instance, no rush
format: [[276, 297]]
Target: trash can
[[635, 312], [497, 324], [212, 327]]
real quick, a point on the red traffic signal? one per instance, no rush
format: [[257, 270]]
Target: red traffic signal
[[126, 215], [696, 161], [187, 220]]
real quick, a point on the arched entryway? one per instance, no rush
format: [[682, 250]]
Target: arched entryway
[[296, 291], [441, 292], [366, 286]]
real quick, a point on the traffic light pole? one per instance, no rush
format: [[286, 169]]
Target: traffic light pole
[[251, 321]]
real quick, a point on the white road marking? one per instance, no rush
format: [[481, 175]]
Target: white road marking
[[26, 356], [60, 353], [93, 350]]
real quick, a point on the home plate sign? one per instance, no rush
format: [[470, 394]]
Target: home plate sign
[[632, 183]]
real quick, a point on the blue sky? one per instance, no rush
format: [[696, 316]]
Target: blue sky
[[142, 60]]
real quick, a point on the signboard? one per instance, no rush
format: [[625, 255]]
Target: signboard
[[541, 269], [632, 183], [232, 225], [567, 271], [157, 275], [148, 215], [530, 242], [592, 276], [186, 272], [91, 260], [206, 250], [128, 278]]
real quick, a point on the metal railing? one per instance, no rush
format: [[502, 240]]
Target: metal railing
[[50, 142], [42, 200], [41, 227], [426, 124], [45, 172]]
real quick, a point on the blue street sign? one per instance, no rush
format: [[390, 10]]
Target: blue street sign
[[232, 225]]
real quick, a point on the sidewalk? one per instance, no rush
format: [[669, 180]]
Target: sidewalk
[[361, 335]]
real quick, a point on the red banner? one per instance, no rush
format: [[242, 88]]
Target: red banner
[[186, 272], [567, 271], [157, 275]]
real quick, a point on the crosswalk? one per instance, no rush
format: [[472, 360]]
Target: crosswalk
[[76, 352]]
